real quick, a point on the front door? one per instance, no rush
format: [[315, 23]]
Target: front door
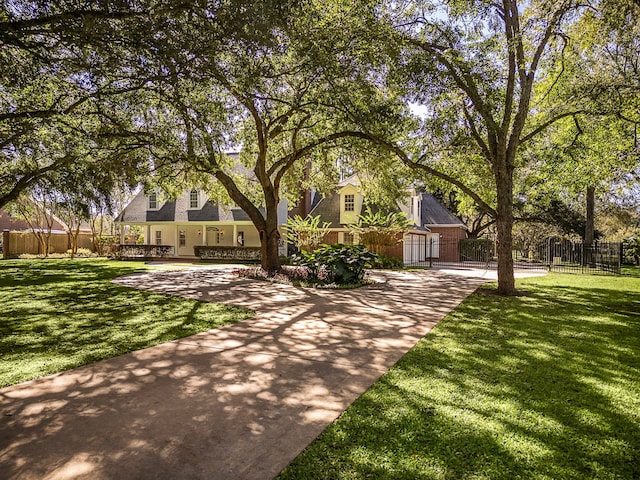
[[188, 237]]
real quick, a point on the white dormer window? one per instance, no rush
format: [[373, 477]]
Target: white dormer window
[[349, 203], [194, 199], [153, 201]]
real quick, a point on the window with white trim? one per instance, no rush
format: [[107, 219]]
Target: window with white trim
[[153, 201], [158, 237], [349, 202], [348, 238], [194, 199]]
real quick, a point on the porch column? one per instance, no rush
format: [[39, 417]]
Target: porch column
[[234, 239], [204, 234], [176, 240], [121, 234], [148, 236]]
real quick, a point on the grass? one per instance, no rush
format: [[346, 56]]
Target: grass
[[543, 386], [60, 314]]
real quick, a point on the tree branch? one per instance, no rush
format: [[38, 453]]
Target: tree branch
[[547, 124]]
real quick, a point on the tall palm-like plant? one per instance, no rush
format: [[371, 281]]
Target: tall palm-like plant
[[378, 230]]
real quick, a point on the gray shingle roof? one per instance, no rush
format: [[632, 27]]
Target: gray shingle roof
[[433, 213], [329, 210], [178, 211]]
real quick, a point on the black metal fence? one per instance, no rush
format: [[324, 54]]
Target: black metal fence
[[567, 256], [559, 255]]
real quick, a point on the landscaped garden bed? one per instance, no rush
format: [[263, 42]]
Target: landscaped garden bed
[[330, 266]]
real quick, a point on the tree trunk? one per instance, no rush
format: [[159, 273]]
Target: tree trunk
[[504, 226], [42, 244], [70, 242], [267, 227], [589, 229], [270, 241], [269, 250]]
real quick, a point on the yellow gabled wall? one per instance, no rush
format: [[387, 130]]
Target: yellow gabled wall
[[350, 217]]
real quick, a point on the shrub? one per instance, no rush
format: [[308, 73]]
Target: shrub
[[384, 261], [340, 264], [105, 244], [284, 260], [378, 230], [306, 233], [476, 249]]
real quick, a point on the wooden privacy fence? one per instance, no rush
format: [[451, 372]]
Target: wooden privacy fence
[[17, 243]]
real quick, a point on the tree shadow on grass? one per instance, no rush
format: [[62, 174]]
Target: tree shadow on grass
[[543, 386], [59, 314]]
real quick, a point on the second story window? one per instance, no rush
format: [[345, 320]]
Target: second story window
[[349, 203], [193, 199], [153, 201]]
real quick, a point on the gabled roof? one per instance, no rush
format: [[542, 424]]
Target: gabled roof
[[329, 210], [434, 214], [353, 180], [177, 211], [9, 222]]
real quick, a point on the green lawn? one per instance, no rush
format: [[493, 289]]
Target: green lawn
[[543, 386], [60, 314]]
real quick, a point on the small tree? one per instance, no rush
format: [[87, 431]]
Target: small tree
[[72, 210], [378, 230], [35, 209], [306, 233]]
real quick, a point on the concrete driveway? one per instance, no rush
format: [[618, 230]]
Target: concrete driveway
[[239, 402]]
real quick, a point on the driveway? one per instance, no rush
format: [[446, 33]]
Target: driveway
[[239, 402]]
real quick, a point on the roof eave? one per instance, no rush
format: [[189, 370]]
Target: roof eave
[[446, 225]]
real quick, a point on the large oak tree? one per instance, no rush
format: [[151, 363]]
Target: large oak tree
[[260, 83], [475, 66]]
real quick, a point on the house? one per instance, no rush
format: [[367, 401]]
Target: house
[[435, 233], [191, 225]]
